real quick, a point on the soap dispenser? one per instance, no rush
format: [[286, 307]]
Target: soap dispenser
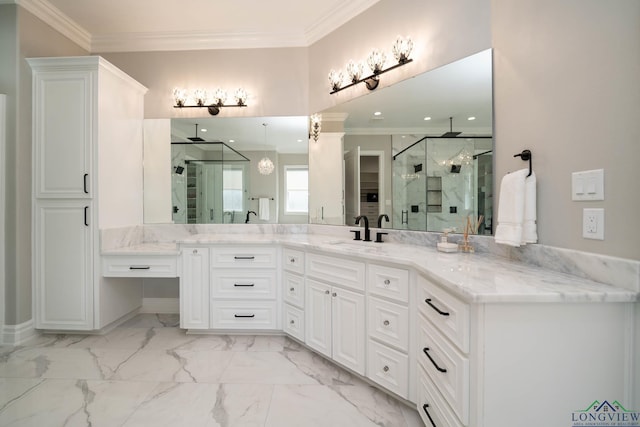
[[444, 245]]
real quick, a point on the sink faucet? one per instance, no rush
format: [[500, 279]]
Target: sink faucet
[[247, 219], [367, 233], [380, 218]]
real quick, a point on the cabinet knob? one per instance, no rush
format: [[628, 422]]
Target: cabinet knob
[[292, 289], [195, 251], [385, 323], [386, 368], [292, 322], [387, 282], [334, 294], [292, 260], [327, 292]]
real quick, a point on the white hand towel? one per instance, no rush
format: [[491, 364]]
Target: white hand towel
[[511, 208], [529, 227], [263, 208]]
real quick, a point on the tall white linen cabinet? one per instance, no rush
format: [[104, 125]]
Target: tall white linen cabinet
[[87, 175]]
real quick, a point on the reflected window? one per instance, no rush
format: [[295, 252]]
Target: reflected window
[[232, 188], [296, 184]]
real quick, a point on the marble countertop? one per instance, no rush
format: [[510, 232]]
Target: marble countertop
[[479, 278]]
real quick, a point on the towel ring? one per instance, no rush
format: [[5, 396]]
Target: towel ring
[[526, 155]]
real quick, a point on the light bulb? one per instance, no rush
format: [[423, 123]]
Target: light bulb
[[335, 79], [180, 96], [376, 61], [240, 96], [219, 97], [402, 49], [354, 71], [265, 166], [200, 96]]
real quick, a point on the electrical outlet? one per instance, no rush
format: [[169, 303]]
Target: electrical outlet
[[593, 224]]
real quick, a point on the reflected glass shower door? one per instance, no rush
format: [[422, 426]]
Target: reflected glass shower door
[[409, 188]]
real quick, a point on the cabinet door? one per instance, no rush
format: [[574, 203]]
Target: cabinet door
[[348, 329], [63, 134], [318, 316], [63, 265], [194, 288]]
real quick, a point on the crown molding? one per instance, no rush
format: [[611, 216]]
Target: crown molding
[[335, 18], [56, 19], [166, 41]]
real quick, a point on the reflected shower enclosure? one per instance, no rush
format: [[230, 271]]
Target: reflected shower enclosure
[[439, 182], [209, 183]]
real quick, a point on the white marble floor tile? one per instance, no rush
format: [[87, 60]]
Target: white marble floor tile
[[203, 405], [264, 368], [313, 406], [76, 403], [149, 373]]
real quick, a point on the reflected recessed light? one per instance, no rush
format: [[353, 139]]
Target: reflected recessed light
[[471, 118], [203, 130], [377, 113], [427, 118], [232, 140], [404, 136], [299, 140]]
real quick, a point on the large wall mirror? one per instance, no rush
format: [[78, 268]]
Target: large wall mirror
[[419, 151], [214, 175]]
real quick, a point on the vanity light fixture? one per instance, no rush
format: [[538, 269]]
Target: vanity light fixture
[[376, 62], [265, 165], [316, 125], [200, 98]]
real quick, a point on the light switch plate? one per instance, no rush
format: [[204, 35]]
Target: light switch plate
[[593, 224], [587, 185]]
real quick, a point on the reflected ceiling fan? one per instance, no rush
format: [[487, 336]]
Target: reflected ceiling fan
[[451, 133]]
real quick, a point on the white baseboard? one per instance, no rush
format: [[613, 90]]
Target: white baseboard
[[160, 305], [18, 334]]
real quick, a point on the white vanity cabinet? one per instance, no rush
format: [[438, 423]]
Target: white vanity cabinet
[[244, 292], [194, 287], [335, 309], [293, 292], [87, 175], [496, 364], [388, 327]]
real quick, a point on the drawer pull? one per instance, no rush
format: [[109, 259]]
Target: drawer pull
[[387, 282], [292, 289], [334, 294], [244, 315], [195, 251], [292, 260], [385, 368], [139, 267], [385, 323], [426, 351], [247, 285], [443, 313], [424, 408], [244, 257], [327, 292], [86, 187]]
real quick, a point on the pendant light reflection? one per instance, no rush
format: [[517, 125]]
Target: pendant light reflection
[[265, 165]]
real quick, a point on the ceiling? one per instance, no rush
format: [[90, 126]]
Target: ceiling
[[144, 25]]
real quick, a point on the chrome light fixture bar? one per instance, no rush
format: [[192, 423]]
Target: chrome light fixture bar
[[201, 99], [376, 61]]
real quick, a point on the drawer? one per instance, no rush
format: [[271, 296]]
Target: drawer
[[234, 284], [244, 257], [446, 366], [243, 314], [340, 271], [294, 322], [293, 260], [389, 323], [446, 312], [389, 368], [293, 289], [432, 408], [140, 266], [388, 282]]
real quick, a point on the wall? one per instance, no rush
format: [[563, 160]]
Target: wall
[[276, 80], [567, 87]]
